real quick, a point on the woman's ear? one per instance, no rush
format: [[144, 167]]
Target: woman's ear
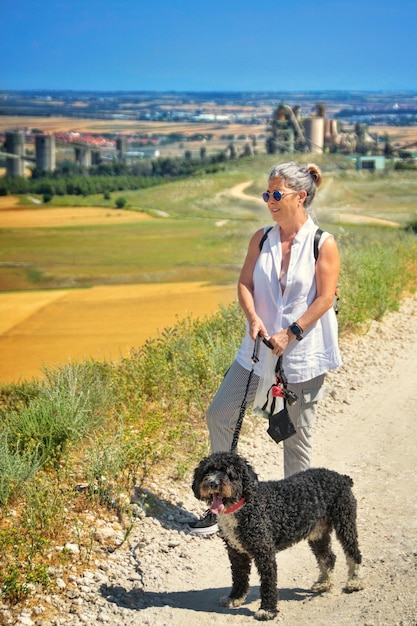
[[302, 195]]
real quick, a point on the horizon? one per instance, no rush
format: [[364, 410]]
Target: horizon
[[205, 91], [232, 47]]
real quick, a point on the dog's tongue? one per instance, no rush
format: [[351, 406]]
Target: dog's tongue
[[217, 505]]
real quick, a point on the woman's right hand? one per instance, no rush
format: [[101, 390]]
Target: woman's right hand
[[257, 327]]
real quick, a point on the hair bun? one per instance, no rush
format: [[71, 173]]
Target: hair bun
[[315, 173]]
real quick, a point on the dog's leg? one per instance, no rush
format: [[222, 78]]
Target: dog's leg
[[354, 581], [320, 543], [347, 534], [240, 564], [266, 565]]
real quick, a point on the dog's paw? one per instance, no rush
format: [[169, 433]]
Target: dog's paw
[[263, 615], [322, 585], [354, 584], [231, 603]]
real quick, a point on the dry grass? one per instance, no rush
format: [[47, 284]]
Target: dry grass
[[66, 124], [8, 202], [399, 134], [53, 327], [11, 216]]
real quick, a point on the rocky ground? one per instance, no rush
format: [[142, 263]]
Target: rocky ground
[[366, 427]]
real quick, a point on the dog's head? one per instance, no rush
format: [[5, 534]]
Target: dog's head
[[222, 479]]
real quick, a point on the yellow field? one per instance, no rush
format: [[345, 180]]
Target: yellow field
[[13, 216], [401, 134], [66, 124], [54, 327]]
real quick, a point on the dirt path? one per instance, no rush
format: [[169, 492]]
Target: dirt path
[[367, 428], [238, 191]]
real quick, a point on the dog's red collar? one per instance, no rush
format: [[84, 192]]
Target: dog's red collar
[[236, 506]]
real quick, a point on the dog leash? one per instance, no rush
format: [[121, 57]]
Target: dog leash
[[279, 389], [242, 410]]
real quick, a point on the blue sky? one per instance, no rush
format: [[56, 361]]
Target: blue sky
[[216, 45]]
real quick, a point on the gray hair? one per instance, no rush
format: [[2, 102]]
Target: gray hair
[[299, 178]]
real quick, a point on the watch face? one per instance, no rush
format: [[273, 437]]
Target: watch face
[[295, 330]]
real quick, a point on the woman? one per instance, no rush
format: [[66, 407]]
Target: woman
[[287, 297]]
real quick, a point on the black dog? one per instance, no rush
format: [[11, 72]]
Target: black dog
[[256, 519]]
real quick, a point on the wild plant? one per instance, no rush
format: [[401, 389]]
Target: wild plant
[[17, 466], [69, 406]]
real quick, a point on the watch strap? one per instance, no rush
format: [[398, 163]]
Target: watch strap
[[296, 330]]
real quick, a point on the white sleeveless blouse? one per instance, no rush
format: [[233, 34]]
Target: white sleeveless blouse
[[318, 352]]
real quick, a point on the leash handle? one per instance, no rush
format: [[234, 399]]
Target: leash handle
[[266, 341], [255, 353], [278, 367]]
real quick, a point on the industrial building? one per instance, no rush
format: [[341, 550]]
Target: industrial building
[[45, 152]]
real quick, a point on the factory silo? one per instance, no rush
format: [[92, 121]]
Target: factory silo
[[333, 128], [83, 156], [15, 144], [314, 132], [95, 157], [45, 152], [121, 147]]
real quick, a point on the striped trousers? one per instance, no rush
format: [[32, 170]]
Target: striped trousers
[[223, 413]]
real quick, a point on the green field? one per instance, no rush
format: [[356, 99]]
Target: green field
[[157, 251], [204, 233]]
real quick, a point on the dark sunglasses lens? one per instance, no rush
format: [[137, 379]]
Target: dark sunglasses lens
[[277, 195]]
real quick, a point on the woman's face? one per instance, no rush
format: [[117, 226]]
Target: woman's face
[[288, 202]]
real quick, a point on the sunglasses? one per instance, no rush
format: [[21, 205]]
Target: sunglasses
[[277, 195]]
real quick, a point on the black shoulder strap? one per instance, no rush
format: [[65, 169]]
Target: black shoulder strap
[[264, 237], [317, 236]]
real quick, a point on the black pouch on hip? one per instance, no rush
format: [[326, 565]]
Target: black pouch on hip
[[280, 425]]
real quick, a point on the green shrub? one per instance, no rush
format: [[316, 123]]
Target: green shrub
[[69, 406], [121, 202], [375, 270], [26, 539], [412, 227], [16, 466]]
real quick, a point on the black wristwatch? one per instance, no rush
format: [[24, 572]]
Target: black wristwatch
[[296, 330]]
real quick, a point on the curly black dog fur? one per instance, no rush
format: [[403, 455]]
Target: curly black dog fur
[[271, 516]]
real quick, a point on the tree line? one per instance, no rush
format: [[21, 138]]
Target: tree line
[[73, 179]]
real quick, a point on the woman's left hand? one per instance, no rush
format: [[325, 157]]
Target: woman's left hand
[[280, 341]]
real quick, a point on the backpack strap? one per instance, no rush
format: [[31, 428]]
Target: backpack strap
[[264, 237], [317, 236]]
